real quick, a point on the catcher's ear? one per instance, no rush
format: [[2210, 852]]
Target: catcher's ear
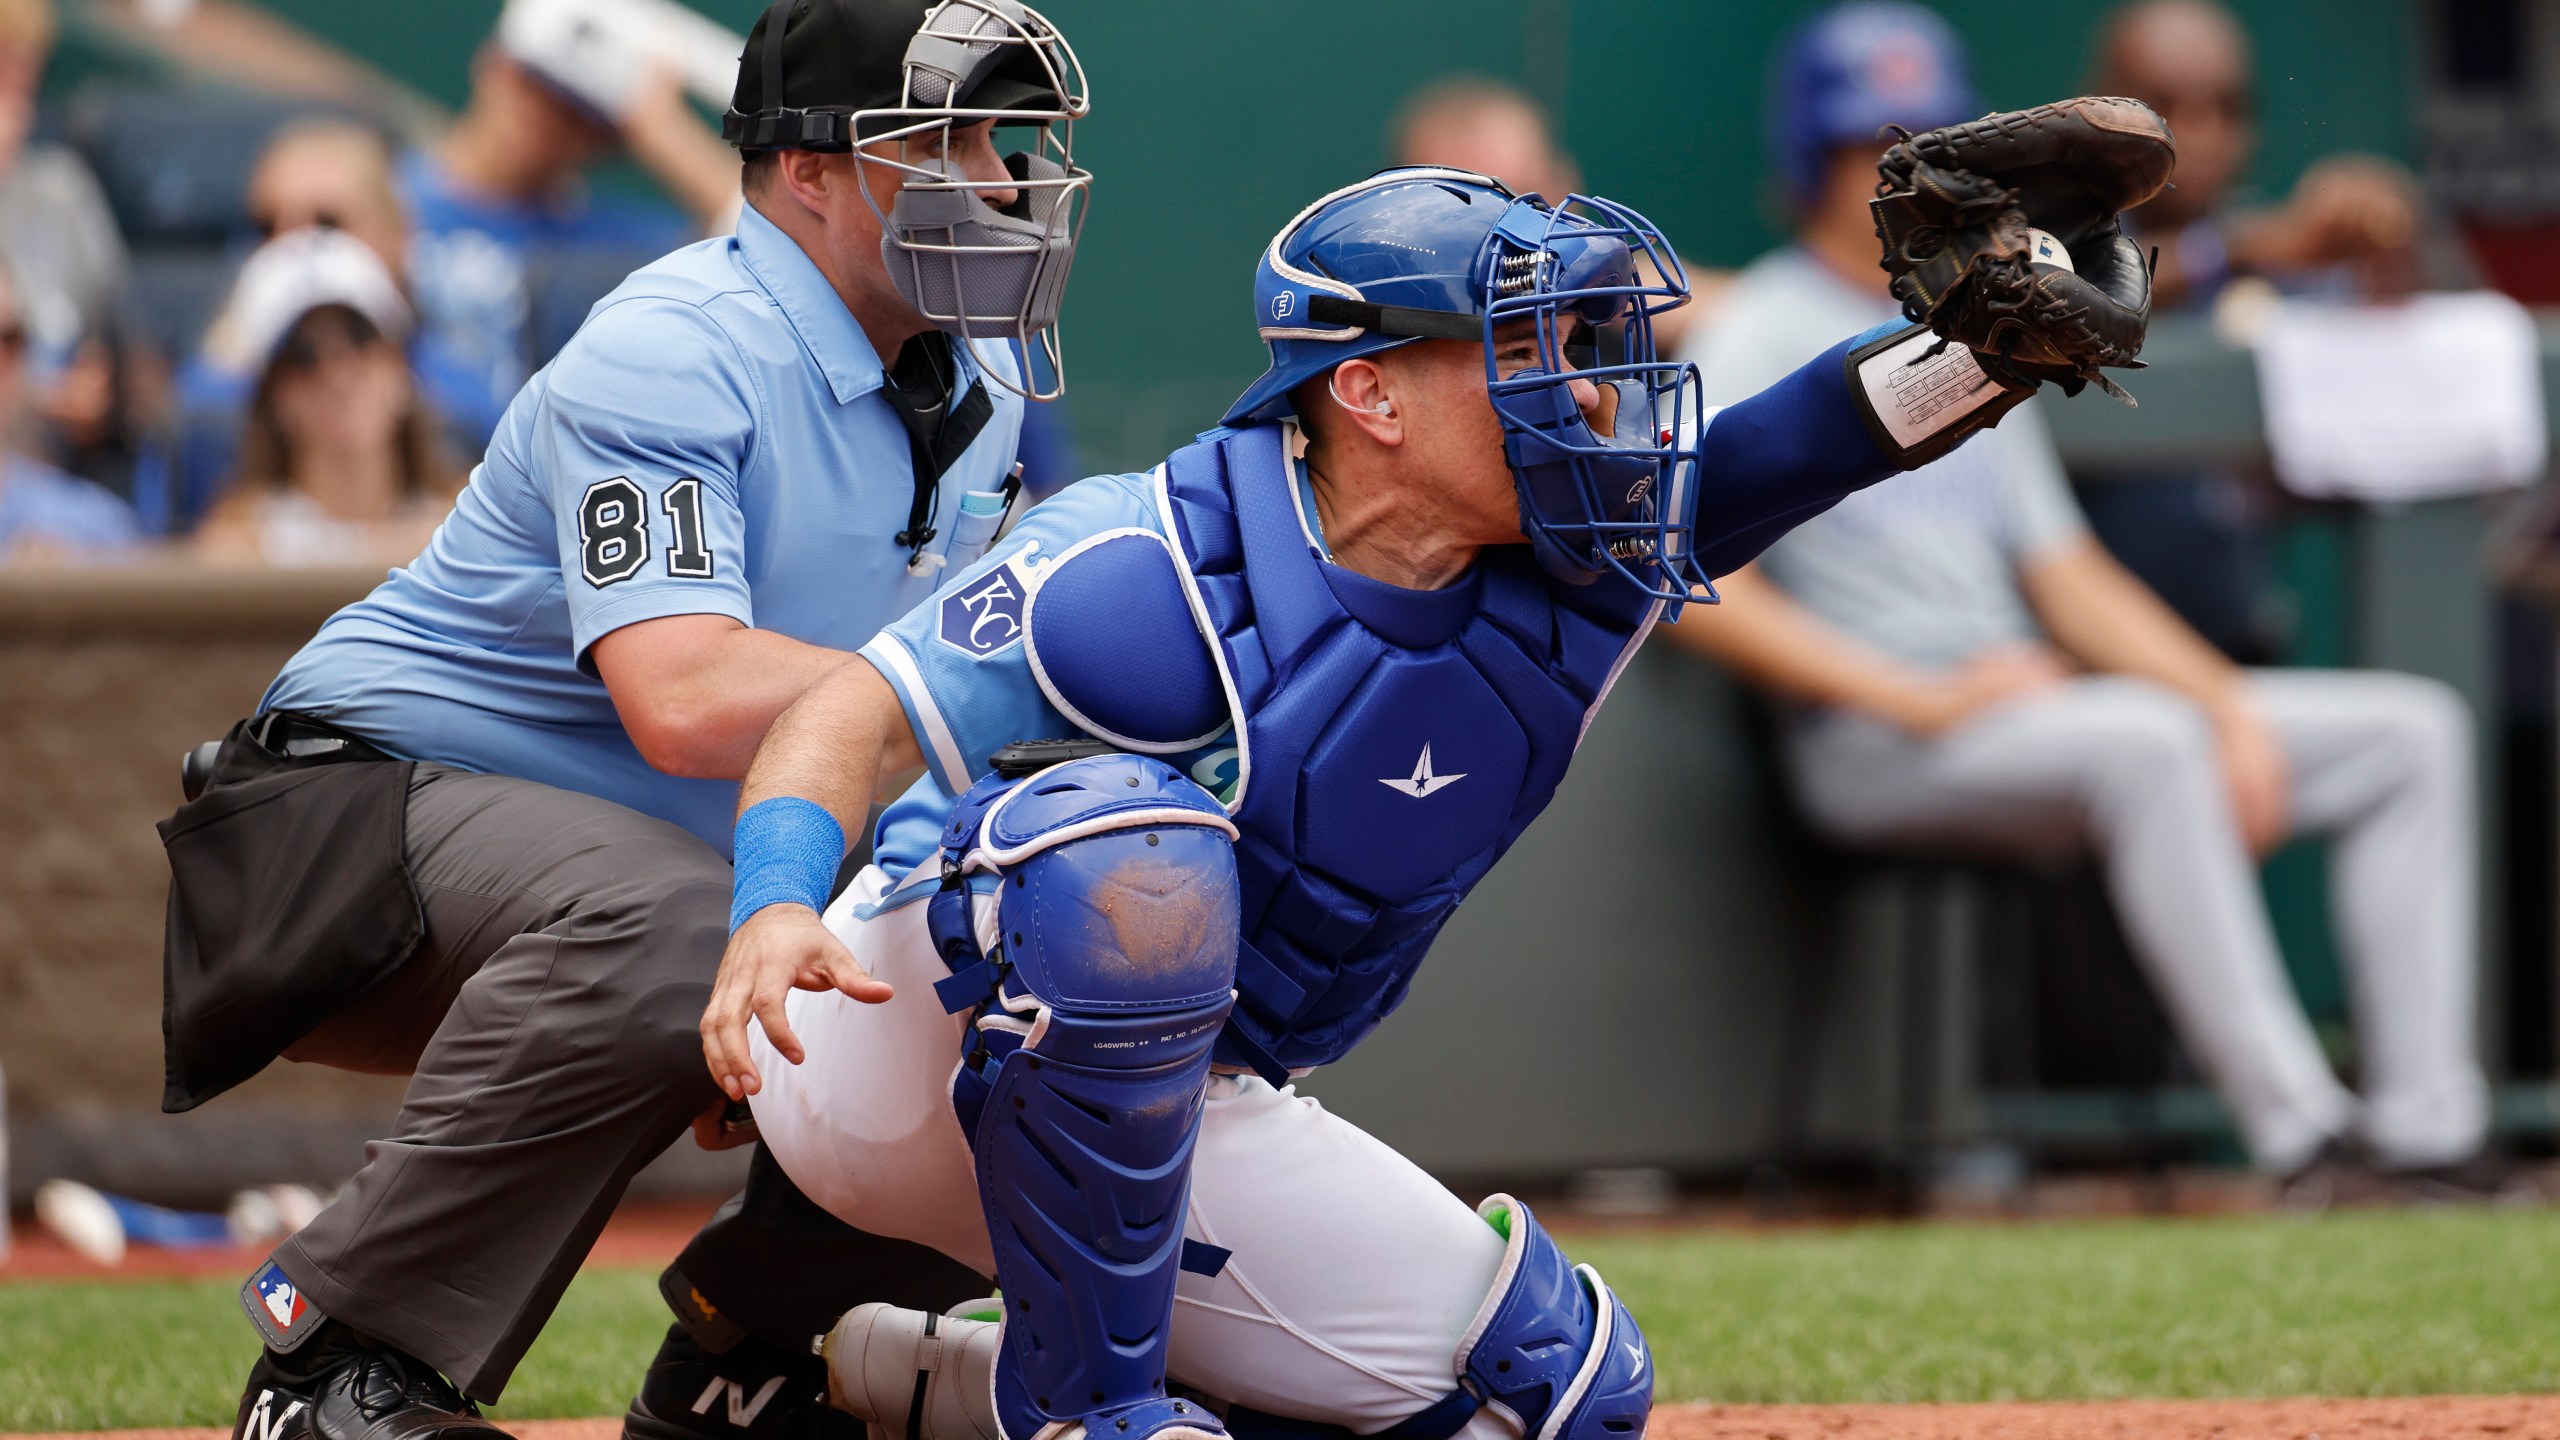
[[1333, 385], [1357, 389]]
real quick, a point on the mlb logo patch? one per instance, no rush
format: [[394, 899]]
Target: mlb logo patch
[[278, 1308], [284, 1303], [984, 617]]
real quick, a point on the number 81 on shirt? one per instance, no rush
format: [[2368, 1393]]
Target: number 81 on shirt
[[613, 531]]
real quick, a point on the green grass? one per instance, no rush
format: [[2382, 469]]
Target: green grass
[[2372, 1304], [2356, 1305], [96, 1357]]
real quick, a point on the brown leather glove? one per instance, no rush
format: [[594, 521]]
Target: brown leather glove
[[1955, 210]]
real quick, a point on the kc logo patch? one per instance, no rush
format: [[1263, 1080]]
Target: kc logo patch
[[985, 616]]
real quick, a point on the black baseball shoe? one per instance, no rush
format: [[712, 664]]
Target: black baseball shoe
[[2484, 1179], [756, 1390], [2340, 1175], [337, 1385]]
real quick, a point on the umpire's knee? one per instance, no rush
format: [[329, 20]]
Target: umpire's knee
[[681, 935]]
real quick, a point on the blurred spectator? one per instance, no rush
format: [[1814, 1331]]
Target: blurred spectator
[[1970, 671], [61, 240], [503, 191], [335, 174], [45, 514], [1473, 122], [2190, 60], [2199, 536], [339, 461], [316, 172], [1047, 451]]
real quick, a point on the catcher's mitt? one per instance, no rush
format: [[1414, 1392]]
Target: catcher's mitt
[[1955, 210]]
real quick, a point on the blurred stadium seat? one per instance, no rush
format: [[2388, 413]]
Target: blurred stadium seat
[[175, 161], [174, 292]]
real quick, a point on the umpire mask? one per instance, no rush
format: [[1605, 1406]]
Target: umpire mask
[[967, 266]]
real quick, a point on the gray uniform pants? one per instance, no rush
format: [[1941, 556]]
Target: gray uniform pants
[[550, 1021], [2383, 763]]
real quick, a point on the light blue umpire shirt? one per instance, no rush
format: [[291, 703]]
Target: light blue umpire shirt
[[712, 442]]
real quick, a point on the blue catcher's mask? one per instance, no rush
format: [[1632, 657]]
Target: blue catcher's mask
[[1427, 253]]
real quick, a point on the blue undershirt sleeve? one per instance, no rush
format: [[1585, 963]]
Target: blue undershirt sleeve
[[1781, 457]]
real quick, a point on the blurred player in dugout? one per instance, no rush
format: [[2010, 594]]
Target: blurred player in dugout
[[478, 832], [1968, 669]]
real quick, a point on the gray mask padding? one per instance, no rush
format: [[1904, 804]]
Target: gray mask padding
[[943, 71], [1009, 273]]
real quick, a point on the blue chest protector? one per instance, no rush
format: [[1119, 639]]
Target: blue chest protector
[[1394, 742]]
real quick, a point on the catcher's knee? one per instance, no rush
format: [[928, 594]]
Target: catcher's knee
[[1112, 883], [1116, 913], [1116, 906]]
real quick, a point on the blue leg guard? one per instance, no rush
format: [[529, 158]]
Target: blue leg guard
[[1116, 898], [1551, 1346]]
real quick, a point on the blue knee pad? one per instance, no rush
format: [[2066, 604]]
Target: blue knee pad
[[1550, 1345], [1114, 884]]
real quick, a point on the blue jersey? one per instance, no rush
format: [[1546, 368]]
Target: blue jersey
[[473, 266], [712, 442]]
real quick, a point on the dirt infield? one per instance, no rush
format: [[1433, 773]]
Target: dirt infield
[[2439, 1417]]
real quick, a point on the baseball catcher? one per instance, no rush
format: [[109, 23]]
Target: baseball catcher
[[1317, 672]]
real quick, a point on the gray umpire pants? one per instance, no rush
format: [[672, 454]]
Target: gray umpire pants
[[550, 1023], [2380, 762]]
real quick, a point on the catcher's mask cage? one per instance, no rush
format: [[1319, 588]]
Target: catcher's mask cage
[[1592, 504], [971, 268]]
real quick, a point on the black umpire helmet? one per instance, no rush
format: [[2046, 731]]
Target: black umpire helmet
[[811, 65]]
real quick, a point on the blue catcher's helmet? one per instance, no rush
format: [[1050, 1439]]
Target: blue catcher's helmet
[[1421, 252]]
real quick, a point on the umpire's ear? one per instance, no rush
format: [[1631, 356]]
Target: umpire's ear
[[822, 184]]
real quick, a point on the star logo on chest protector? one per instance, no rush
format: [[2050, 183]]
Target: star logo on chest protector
[[1422, 783]]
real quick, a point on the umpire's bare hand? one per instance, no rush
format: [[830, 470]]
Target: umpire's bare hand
[[780, 949]]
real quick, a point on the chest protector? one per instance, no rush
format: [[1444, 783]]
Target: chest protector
[[1393, 743]]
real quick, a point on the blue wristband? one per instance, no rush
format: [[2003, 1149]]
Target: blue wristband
[[788, 851]]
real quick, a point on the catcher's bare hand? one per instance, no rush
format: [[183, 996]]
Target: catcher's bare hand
[[780, 949]]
